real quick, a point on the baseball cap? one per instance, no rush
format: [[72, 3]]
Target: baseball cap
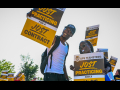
[[72, 27]]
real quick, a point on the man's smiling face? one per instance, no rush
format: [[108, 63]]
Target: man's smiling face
[[67, 33]]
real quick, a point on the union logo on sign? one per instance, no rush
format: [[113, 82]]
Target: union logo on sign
[[77, 58]]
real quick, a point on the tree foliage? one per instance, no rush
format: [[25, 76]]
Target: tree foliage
[[70, 79], [6, 65], [28, 68]]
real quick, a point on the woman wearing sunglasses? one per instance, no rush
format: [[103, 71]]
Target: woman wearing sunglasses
[[87, 47]]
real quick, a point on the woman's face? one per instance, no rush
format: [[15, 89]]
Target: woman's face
[[84, 47]]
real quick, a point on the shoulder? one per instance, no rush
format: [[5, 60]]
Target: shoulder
[[56, 38]]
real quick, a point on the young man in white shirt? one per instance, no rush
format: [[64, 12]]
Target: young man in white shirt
[[58, 70]]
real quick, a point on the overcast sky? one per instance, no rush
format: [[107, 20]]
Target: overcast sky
[[13, 44]]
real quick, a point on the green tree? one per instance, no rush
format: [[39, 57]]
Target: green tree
[[40, 78], [70, 79], [28, 68], [6, 65]]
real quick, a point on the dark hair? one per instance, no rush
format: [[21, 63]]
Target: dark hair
[[89, 43], [118, 71]]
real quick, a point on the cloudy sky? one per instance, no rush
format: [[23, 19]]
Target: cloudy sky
[[13, 44]]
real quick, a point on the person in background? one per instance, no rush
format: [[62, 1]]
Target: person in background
[[117, 75], [87, 47], [84, 47]]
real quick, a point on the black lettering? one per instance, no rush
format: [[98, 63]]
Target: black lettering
[[37, 28], [95, 56], [26, 32], [42, 39], [48, 41], [45, 30], [99, 56], [45, 40], [42, 22], [32, 34], [35, 35], [41, 30], [38, 37], [89, 57], [34, 26], [29, 33]]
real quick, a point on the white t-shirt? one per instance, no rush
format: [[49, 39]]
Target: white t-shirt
[[57, 59]]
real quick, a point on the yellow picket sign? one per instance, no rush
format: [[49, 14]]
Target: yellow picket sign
[[19, 74], [113, 61], [38, 32], [93, 41], [42, 25], [112, 68], [89, 67], [10, 78], [92, 34], [4, 76], [5, 72], [10, 74], [22, 77], [105, 50], [3, 79]]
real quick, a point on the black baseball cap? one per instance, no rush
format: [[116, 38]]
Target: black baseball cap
[[72, 27]]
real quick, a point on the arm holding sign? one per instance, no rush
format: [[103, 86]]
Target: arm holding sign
[[29, 14], [72, 67]]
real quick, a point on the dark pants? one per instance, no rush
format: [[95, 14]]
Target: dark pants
[[54, 77]]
